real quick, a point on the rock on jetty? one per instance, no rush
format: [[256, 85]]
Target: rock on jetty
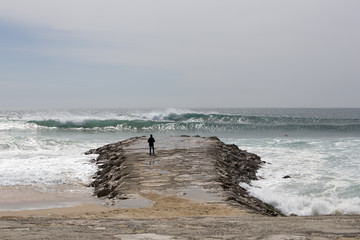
[[197, 168]]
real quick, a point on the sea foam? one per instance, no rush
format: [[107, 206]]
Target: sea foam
[[323, 178], [39, 160]]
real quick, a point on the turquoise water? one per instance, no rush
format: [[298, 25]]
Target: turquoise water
[[318, 148]]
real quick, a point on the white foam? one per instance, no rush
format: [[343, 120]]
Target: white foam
[[20, 125], [65, 115], [291, 203], [158, 115], [22, 117], [324, 174], [37, 160]]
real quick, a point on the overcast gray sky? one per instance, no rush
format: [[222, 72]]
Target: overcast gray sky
[[179, 53]]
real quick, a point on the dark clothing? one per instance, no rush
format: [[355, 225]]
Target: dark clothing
[[151, 141], [151, 147]]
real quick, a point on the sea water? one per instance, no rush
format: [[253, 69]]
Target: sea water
[[318, 149]]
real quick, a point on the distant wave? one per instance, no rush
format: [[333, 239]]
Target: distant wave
[[205, 122]]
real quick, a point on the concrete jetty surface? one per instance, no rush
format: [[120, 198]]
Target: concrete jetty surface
[[196, 168]]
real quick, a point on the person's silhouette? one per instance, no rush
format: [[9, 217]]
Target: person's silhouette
[[151, 141]]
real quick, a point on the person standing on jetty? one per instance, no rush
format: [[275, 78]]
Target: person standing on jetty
[[151, 141]]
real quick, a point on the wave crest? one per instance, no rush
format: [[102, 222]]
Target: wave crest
[[173, 119], [206, 122]]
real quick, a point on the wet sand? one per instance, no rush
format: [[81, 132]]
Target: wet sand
[[17, 198], [165, 197]]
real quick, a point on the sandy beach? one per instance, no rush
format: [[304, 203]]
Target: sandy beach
[[160, 197], [170, 218]]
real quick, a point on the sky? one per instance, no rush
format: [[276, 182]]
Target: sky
[[179, 53]]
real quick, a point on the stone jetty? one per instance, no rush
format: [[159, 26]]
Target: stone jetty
[[195, 168]]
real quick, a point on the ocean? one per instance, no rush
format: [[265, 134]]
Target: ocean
[[319, 149]]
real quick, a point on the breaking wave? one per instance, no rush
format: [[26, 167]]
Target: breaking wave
[[205, 122]]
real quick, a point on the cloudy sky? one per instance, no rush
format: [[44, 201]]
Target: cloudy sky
[[179, 53]]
